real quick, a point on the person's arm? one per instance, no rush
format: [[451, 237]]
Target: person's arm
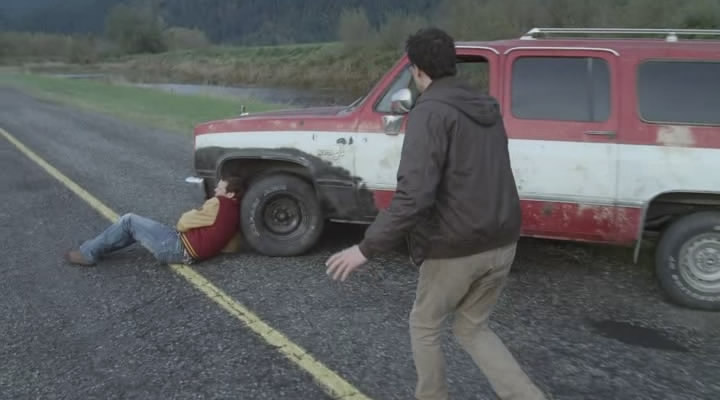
[[197, 218], [421, 167]]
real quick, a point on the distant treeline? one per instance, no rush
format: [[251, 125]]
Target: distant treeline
[[126, 30], [372, 33], [268, 22], [498, 19]]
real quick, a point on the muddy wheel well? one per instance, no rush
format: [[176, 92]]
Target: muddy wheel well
[[667, 207], [250, 169]]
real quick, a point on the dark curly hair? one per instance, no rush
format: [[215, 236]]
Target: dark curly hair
[[433, 51], [235, 185]]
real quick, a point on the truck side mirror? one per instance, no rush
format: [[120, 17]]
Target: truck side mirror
[[401, 101]]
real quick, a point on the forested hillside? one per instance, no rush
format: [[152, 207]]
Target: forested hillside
[[298, 21], [237, 21], [222, 41]]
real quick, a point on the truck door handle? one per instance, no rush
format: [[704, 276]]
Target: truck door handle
[[601, 133], [341, 141]]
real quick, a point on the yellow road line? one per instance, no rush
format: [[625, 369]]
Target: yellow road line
[[333, 384]]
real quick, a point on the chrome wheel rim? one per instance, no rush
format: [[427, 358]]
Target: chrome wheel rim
[[700, 262]]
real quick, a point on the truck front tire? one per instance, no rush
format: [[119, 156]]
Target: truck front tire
[[281, 215], [688, 261]]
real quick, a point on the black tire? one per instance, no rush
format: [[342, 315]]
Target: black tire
[[280, 216], [687, 261]]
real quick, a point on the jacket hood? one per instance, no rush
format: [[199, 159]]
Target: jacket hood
[[478, 106]]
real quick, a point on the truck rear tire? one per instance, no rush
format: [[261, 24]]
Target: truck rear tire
[[280, 216], [688, 261]]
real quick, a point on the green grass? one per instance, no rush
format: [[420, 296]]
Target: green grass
[[179, 113]]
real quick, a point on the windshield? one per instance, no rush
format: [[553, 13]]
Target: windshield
[[356, 102], [360, 100]]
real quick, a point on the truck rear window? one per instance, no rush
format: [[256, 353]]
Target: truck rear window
[[679, 92]]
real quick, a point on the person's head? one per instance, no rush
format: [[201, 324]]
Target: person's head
[[230, 187], [432, 54]]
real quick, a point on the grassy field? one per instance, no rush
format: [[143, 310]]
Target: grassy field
[[319, 65], [164, 110]]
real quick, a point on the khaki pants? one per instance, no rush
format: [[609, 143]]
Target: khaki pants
[[469, 287]]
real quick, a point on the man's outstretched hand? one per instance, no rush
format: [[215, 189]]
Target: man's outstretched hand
[[341, 264]]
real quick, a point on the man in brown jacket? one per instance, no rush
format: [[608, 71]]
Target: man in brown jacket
[[198, 235], [457, 204]]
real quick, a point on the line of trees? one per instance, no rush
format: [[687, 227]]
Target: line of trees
[[267, 22], [142, 30], [153, 26], [127, 30], [497, 19]]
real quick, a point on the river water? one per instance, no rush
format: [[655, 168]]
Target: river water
[[295, 97], [278, 95]]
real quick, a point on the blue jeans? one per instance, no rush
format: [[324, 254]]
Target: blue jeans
[[162, 241]]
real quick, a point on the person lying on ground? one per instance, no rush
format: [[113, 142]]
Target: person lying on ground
[[199, 234]]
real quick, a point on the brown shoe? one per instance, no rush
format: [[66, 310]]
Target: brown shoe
[[77, 257]]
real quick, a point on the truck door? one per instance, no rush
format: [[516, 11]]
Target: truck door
[[561, 112], [381, 132]]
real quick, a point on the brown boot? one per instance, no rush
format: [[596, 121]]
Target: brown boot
[[77, 257]]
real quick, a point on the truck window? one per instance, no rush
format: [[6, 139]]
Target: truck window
[[403, 80], [561, 88], [475, 71], [679, 92]]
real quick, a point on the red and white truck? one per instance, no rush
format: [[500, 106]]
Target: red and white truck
[[612, 139]]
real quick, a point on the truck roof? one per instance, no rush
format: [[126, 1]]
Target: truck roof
[[674, 39]]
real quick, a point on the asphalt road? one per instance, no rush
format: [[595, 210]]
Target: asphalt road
[[583, 320]]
